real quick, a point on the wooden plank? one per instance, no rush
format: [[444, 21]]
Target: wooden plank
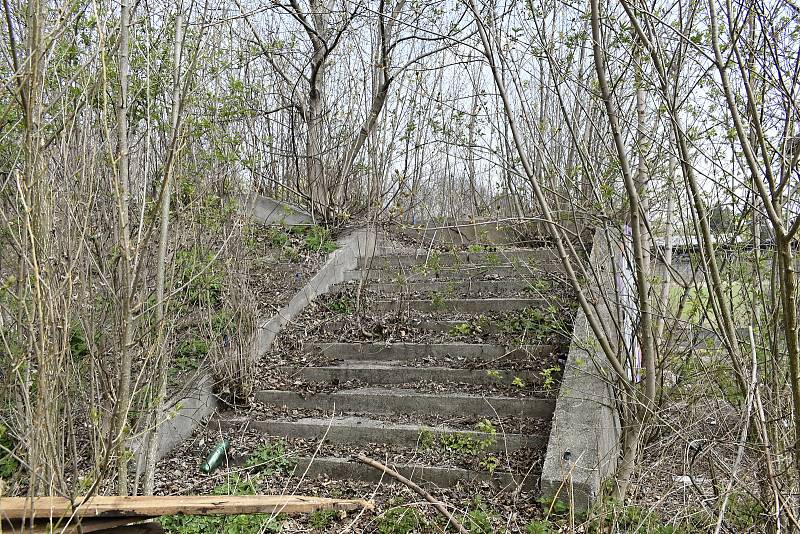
[[145, 506]]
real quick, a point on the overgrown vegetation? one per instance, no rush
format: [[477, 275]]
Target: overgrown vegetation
[[400, 520], [8, 462]]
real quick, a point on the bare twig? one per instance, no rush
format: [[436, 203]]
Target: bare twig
[[425, 495]]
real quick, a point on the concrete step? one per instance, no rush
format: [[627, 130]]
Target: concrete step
[[383, 372], [355, 429], [455, 326], [463, 288], [475, 306], [517, 233], [430, 325], [390, 401], [442, 477], [408, 351], [517, 272], [435, 260]]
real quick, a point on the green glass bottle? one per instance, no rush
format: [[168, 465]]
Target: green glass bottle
[[215, 457]]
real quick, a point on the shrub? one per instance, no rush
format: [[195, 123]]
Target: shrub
[[202, 275], [318, 239], [8, 464]]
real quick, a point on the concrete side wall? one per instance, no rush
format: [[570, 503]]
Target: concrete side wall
[[268, 211], [356, 244], [187, 409], [583, 447], [197, 400]]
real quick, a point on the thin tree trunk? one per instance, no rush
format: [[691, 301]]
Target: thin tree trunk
[[162, 260], [122, 192]]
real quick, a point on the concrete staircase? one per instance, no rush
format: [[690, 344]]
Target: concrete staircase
[[470, 402]]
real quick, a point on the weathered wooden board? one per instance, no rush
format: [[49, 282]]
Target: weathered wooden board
[[142, 506]]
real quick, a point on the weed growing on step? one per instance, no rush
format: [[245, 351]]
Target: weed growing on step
[[342, 305], [438, 301], [460, 443], [518, 382], [465, 444], [426, 440], [486, 427], [277, 237], [549, 376], [475, 248], [537, 526], [489, 463], [462, 329], [210, 524], [610, 515], [493, 259], [433, 264], [537, 286], [400, 280], [495, 374], [534, 323], [456, 259], [480, 518], [271, 458], [292, 254]]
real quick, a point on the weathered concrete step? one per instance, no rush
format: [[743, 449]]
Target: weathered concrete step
[[456, 305], [408, 351], [462, 273], [456, 326], [430, 325], [445, 259], [382, 401], [466, 287], [377, 373], [493, 233], [443, 477], [354, 429]]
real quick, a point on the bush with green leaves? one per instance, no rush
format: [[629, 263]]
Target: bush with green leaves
[[201, 274], [277, 237], [189, 353], [318, 239]]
